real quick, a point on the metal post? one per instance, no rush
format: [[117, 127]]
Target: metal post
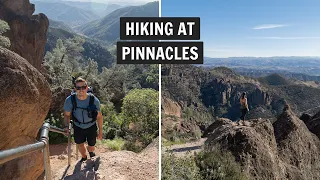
[[45, 138], [47, 162], [69, 145]]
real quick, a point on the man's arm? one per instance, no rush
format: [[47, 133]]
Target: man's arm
[[247, 104], [67, 118], [66, 121], [67, 113], [100, 122]]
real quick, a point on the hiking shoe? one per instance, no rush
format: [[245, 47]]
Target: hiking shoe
[[84, 159], [92, 154]]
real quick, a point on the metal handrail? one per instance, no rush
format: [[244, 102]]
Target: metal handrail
[[43, 144]]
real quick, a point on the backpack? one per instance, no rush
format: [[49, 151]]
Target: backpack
[[92, 111]]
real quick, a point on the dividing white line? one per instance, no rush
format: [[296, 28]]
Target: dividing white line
[[159, 107]]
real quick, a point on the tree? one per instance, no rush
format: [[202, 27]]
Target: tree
[[4, 41], [64, 60], [140, 114]]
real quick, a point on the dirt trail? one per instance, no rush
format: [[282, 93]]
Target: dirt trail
[[115, 165], [186, 149]]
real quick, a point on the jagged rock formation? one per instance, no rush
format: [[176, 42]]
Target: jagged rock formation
[[25, 101], [285, 149], [27, 32]]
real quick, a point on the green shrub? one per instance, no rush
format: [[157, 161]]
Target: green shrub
[[112, 122], [218, 165], [115, 144], [140, 117], [213, 165], [176, 168]]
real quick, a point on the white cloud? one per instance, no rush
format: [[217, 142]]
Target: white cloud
[[269, 26], [286, 38]]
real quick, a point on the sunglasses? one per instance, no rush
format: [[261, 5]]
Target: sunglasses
[[81, 87]]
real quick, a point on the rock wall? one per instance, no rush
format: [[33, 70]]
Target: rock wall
[[27, 32], [25, 101]]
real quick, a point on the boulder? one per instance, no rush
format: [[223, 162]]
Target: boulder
[[25, 101]]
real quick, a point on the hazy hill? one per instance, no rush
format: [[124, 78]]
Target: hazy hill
[[59, 25], [92, 49], [275, 80], [60, 11], [101, 9], [108, 28]]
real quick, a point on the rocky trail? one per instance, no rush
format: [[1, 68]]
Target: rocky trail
[[115, 165]]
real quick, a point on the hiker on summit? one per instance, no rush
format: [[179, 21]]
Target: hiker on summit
[[243, 106], [84, 109]]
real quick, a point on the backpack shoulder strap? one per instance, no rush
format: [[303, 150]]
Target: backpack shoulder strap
[[74, 102], [91, 102]]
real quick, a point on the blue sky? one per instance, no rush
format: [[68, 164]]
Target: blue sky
[[260, 28]]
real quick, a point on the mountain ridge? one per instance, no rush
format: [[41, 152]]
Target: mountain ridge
[[107, 28]]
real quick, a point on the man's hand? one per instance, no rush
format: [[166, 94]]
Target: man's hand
[[66, 131], [99, 135]]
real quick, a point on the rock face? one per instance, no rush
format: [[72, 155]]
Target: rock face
[[285, 149], [312, 122], [27, 32], [25, 101], [170, 107]]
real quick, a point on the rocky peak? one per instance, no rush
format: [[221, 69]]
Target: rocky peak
[[19, 7], [285, 149], [286, 123], [27, 32]]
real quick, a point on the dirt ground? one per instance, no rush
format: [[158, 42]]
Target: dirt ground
[[185, 149], [113, 165]]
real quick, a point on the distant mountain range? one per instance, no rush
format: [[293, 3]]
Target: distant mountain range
[[74, 13], [108, 28], [85, 17], [101, 9], [71, 15], [257, 66]]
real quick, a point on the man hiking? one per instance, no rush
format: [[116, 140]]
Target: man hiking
[[243, 106], [84, 109]]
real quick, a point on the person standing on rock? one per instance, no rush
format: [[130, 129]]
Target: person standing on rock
[[243, 106], [84, 109]]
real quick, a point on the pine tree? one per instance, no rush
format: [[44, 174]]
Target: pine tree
[[4, 41], [64, 60]]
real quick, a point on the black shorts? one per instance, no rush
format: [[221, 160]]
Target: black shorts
[[83, 135]]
